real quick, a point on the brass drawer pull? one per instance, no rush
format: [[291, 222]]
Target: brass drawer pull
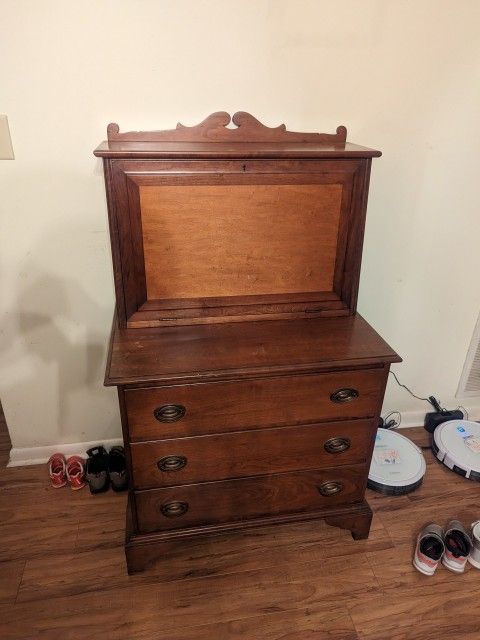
[[172, 463], [330, 488], [344, 395], [169, 412], [337, 445], [174, 509]]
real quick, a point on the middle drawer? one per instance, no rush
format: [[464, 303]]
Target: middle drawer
[[250, 453]]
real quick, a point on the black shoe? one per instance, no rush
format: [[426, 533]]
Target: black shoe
[[96, 470], [117, 469]]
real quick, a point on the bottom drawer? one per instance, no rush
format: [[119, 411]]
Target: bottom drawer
[[245, 498], [251, 453]]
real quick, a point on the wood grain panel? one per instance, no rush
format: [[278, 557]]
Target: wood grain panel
[[246, 498], [252, 404], [249, 453], [225, 240]]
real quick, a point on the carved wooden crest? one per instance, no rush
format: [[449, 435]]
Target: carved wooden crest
[[215, 129]]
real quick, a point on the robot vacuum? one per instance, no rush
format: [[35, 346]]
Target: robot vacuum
[[398, 465], [456, 443]]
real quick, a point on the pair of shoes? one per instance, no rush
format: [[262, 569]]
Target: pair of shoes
[[106, 469], [62, 471], [452, 547]]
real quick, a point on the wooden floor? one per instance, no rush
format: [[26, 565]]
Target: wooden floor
[[62, 573]]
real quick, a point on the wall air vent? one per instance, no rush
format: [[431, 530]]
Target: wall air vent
[[469, 384]]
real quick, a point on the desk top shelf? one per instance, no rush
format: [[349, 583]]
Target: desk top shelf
[[214, 352]]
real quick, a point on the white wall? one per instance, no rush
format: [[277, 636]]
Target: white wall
[[404, 76]]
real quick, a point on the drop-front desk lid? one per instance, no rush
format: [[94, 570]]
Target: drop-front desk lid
[[232, 219], [213, 352]]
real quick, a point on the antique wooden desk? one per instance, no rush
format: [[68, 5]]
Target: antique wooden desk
[[249, 387]]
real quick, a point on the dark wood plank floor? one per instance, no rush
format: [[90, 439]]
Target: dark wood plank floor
[[62, 573]]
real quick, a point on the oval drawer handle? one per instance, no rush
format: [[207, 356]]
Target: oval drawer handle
[[169, 412], [172, 463], [337, 445], [330, 488], [344, 395], [174, 509]]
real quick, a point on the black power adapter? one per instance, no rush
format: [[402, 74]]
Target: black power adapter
[[434, 418]]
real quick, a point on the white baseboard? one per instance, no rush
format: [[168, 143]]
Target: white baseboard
[[416, 418], [25, 456]]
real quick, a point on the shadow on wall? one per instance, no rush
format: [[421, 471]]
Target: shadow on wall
[[54, 321], [77, 357]]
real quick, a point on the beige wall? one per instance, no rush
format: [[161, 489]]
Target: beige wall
[[403, 75]]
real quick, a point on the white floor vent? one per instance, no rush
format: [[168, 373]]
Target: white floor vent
[[469, 384]]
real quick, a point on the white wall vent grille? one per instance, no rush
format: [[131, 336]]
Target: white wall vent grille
[[469, 384]]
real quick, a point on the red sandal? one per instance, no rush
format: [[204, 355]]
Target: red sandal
[[76, 472], [57, 470]]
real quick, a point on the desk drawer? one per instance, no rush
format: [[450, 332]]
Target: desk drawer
[[250, 453], [242, 499], [187, 410]]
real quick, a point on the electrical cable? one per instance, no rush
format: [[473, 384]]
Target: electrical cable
[[409, 390], [465, 412], [431, 400], [394, 422]]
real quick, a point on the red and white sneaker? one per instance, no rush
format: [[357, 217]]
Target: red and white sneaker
[[429, 549], [76, 472], [457, 547], [57, 470]]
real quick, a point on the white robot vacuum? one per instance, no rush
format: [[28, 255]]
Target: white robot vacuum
[[456, 443], [398, 465]]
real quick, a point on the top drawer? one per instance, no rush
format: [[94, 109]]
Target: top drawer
[[184, 410]]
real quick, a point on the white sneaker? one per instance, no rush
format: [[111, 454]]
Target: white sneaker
[[457, 547], [429, 549], [474, 557]]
